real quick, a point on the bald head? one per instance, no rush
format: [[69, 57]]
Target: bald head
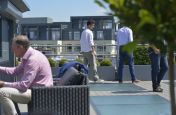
[[22, 40], [20, 45]]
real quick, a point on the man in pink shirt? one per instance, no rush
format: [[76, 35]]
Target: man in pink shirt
[[34, 70]]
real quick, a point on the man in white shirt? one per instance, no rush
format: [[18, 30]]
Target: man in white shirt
[[88, 50], [125, 36]]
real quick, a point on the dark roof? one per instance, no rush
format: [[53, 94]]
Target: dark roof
[[20, 4], [91, 17]]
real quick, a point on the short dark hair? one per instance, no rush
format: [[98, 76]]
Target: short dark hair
[[90, 22], [121, 24]]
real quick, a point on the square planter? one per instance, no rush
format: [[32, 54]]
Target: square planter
[[107, 73]]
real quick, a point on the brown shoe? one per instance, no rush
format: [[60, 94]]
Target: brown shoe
[[136, 81]]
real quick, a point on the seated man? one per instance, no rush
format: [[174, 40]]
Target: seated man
[[34, 70]]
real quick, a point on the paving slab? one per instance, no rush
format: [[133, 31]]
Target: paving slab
[[126, 99]]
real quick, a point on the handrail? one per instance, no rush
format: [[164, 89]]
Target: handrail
[[71, 54]]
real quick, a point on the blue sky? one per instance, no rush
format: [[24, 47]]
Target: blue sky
[[61, 10]]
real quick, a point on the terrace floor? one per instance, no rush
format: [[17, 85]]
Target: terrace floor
[[112, 98]]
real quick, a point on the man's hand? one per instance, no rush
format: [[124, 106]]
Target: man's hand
[[94, 53], [1, 84], [157, 51]]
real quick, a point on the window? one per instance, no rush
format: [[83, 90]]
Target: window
[[84, 24], [75, 24], [47, 33], [100, 35], [80, 23], [55, 33], [99, 25], [70, 35], [107, 24], [76, 35], [33, 33], [25, 31], [18, 28], [63, 26]]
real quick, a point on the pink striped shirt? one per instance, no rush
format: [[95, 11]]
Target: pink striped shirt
[[34, 70]]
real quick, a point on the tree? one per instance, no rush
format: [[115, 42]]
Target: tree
[[150, 20]]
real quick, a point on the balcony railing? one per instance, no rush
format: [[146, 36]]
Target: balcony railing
[[72, 52]]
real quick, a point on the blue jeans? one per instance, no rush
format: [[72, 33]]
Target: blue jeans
[[159, 67], [123, 55]]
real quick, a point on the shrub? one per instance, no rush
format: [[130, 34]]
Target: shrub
[[79, 60], [17, 62], [106, 62], [52, 62], [98, 63], [62, 62], [141, 56]]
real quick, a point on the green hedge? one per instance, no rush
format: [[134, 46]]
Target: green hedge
[[62, 62], [79, 60], [141, 56], [106, 62], [52, 62]]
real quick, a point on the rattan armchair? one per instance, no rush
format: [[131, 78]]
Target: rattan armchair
[[60, 100]]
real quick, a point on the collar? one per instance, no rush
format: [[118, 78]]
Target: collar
[[28, 53]]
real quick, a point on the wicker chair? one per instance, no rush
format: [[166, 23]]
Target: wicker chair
[[60, 100]]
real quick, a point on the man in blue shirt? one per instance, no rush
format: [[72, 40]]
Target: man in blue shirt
[[125, 36]]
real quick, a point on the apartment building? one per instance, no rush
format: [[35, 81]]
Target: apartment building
[[66, 35]]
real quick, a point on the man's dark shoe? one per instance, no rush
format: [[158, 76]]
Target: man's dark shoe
[[120, 81], [158, 89], [136, 81]]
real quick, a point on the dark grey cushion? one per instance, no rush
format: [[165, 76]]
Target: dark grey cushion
[[72, 77]]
